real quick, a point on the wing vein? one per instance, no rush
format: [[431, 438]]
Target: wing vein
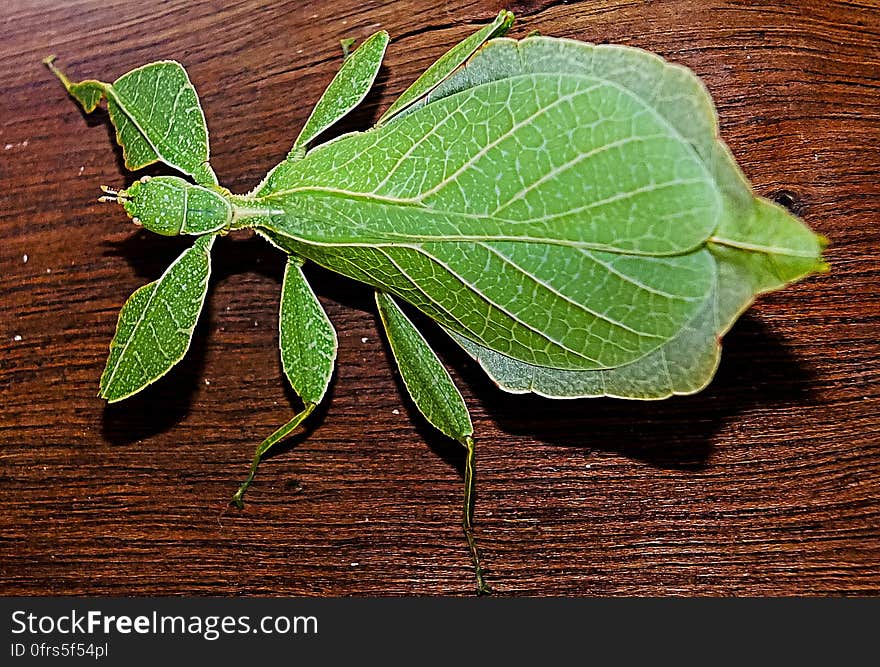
[[495, 142], [553, 290], [556, 171]]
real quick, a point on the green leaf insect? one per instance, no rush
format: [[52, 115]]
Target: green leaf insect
[[566, 212]]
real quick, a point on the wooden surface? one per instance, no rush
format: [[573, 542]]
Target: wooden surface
[[764, 484]]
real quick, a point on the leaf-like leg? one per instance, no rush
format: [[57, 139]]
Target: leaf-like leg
[[438, 399], [447, 64], [156, 324], [347, 89], [266, 445], [308, 353], [88, 93], [157, 116]]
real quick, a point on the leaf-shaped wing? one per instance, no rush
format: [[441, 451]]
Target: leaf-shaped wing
[[426, 380], [686, 363], [307, 338], [448, 63], [558, 203], [156, 324], [347, 89], [507, 245], [683, 365], [157, 116]]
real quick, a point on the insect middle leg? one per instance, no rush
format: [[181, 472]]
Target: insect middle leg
[[266, 445]]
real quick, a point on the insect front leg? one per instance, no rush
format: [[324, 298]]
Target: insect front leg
[[438, 399], [151, 127], [308, 353]]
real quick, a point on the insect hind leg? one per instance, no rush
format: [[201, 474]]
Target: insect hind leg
[[468, 515]]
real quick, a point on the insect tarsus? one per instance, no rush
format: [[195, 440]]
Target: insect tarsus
[[468, 515]]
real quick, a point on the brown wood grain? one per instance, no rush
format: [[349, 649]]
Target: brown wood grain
[[766, 483]]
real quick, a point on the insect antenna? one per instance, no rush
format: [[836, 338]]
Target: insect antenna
[[110, 195], [116, 196]]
